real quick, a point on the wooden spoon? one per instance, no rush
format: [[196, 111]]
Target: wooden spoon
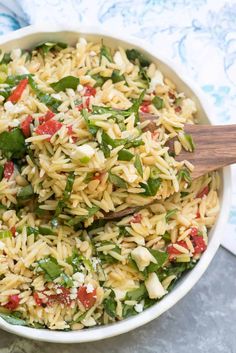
[[215, 147]]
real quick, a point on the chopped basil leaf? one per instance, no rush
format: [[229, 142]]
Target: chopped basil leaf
[[151, 187], [137, 58], [6, 59], [190, 141], [78, 262], [65, 82], [184, 174], [32, 230], [48, 46], [134, 143], [144, 76], [158, 102], [110, 305], [51, 268], [138, 165], [66, 281], [170, 213], [160, 256], [117, 77], [12, 144], [184, 193], [137, 294], [45, 231], [125, 155], [13, 320], [117, 181], [128, 311], [166, 236], [93, 129], [1, 172], [105, 51], [25, 193], [5, 234]]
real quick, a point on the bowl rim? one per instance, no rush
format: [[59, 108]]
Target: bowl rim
[[106, 331]]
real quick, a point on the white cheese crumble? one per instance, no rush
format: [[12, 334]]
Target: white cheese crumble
[[80, 88], [78, 277], [138, 307], [89, 288], [83, 153], [157, 79], [14, 109]]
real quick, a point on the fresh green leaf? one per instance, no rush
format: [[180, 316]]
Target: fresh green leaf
[[1, 172], [12, 144], [158, 102], [117, 181], [128, 311], [190, 141], [105, 51], [45, 231], [137, 58], [48, 46], [100, 80], [78, 262], [32, 230], [5, 234], [65, 82], [50, 267], [184, 174], [137, 294], [117, 77], [184, 193], [144, 76], [109, 259], [125, 155], [13, 320], [151, 187], [6, 59], [134, 143], [170, 213], [160, 256], [93, 129], [138, 165], [25, 193], [167, 237], [66, 281], [110, 305], [135, 106]]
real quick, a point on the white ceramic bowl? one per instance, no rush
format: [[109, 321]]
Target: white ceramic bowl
[[28, 38]]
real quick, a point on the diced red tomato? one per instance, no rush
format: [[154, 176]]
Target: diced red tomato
[[198, 214], [203, 192], [84, 105], [37, 299], [172, 251], [145, 106], [89, 91], [13, 302], [25, 126], [17, 92], [137, 218], [70, 133], [98, 176], [50, 127], [87, 299], [8, 169], [194, 231], [49, 115], [63, 297], [178, 109], [13, 231], [198, 244]]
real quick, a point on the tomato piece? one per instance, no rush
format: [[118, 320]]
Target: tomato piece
[[203, 192], [50, 127], [13, 231], [25, 126], [84, 105], [198, 214], [194, 231], [173, 251], [17, 92], [13, 302], [145, 106], [70, 133], [137, 217], [87, 299], [8, 169], [89, 91], [98, 176], [198, 244], [49, 115], [178, 109], [37, 299]]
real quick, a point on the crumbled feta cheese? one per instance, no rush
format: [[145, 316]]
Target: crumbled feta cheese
[[14, 109], [21, 70], [56, 96], [80, 88], [157, 79], [83, 153], [89, 288], [2, 245], [154, 286], [58, 290], [138, 307], [70, 92], [73, 296], [142, 257], [15, 54], [78, 277]]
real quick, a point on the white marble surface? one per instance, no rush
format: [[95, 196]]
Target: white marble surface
[[202, 322]]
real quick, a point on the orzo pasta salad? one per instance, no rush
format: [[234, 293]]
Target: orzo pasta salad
[[73, 150]]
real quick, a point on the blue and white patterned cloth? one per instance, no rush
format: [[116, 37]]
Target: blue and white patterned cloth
[[200, 35]]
